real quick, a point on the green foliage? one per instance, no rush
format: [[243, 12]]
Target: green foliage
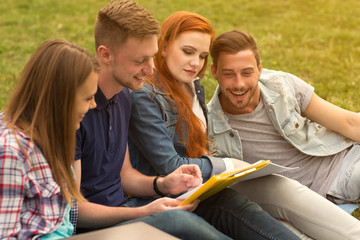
[[317, 40]]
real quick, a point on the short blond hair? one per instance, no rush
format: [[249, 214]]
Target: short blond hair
[[119, 20]]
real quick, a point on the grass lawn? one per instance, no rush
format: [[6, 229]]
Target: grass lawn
[[317, 40]]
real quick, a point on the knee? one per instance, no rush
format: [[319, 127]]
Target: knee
[[231, 199], [181, 217]]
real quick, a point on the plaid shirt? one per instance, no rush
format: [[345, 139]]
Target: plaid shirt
[[31, 203]]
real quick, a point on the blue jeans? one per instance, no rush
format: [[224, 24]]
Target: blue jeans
[[181, 224], [239, 218]]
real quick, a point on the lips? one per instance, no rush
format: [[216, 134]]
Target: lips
[[191, 72], [140, 78], [238, 93]]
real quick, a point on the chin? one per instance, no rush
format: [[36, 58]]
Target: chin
[[137, 87], [77, 126]]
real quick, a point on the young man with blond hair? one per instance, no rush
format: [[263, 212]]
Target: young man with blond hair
[[126, 41]]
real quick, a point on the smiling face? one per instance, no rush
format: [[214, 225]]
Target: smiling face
[[134, 61], [85, 100], [238, 76], [186, 55]]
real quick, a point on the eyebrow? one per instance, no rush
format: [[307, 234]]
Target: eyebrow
[[189, 46], [194, 48], [225, 70], [248, 68]]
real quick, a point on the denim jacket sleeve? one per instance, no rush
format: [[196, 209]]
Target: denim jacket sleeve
[[153, 143]]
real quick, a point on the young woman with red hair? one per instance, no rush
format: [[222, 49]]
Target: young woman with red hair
[[168, 129]]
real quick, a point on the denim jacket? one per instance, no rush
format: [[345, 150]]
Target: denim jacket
[[284, 111], [154, 145]]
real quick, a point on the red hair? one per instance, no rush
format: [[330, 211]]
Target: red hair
[[188, 127]]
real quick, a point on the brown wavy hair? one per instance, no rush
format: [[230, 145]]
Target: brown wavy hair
[[188, 125], [43, 106]]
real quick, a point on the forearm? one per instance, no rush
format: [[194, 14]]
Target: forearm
[[334, 118], [93, 215], [143, 186], [353, 132], [135, 183]]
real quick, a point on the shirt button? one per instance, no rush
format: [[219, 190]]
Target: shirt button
[[231, 134]]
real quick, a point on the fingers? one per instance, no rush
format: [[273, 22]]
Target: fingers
[[191, 169], [190, 207], [191, 181], [165, 203]]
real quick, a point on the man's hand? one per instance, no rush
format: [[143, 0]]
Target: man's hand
[[185, 177]]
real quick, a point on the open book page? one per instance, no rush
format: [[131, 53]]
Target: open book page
[[221, 181], [269, 169]]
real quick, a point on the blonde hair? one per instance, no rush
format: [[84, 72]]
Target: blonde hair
[[43, 105], [119, 20]]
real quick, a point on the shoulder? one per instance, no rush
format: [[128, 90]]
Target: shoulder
[[279, 81], [273, 77], [148, 93], [15, 147]]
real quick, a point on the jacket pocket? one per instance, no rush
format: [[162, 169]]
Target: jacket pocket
[[295, 128]]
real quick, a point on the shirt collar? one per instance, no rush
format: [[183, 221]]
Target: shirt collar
[[102, 102]]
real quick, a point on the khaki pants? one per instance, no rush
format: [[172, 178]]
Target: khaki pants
[[303, 209]]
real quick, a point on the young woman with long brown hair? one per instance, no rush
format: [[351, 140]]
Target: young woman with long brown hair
[[37, 141]]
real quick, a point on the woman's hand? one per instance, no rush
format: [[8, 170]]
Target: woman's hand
[[166, 203]]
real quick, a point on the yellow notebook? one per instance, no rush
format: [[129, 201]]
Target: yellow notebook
[[218, 182]]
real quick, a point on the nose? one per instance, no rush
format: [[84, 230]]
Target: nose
[[238, 82], [195, 62], [92, 103], [149, 67]]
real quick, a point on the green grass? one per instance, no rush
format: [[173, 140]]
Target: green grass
[[356, 213], [317, 40]]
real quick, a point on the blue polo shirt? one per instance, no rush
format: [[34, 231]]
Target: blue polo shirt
[[101, 145]]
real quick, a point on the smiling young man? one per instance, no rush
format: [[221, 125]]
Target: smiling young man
[[257, 113], [126, 42]]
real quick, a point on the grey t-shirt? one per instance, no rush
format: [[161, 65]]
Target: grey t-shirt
[[260, 140]]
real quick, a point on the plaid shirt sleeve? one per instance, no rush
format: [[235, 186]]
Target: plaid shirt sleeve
[[12, 189], [31, 203]]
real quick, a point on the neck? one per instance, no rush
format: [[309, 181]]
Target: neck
[[108, 86]]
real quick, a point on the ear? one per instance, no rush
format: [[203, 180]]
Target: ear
[[105, 55], [260, 67], [213, 71], [163, 50]]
